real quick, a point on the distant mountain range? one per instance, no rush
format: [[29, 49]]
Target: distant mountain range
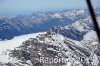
[[39, 22], [44, 21]]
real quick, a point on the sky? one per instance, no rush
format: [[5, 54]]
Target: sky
[[29, 6]]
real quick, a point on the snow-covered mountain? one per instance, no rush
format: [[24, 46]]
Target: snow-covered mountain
[[7, 45], [39, 22], [78, 29], [53, 45]]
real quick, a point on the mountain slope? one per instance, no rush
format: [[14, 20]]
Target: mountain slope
[[52, 45], [76, 30]]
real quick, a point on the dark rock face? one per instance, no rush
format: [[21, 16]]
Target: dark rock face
[[32, 50], [18, 27]]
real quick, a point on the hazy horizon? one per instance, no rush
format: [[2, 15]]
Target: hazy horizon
[[25, 7]]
